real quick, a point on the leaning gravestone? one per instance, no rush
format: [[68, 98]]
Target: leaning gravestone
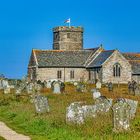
[[56, 88], [121, 111], [41, 104], [74, 113], [103, 104], [133, 104]]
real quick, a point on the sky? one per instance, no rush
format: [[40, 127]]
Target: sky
[[27, 24]]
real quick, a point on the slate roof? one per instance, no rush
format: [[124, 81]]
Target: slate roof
[[61, 58], [100, 59], [134, 60]]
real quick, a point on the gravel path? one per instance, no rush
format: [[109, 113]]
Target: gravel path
[[9, 134]]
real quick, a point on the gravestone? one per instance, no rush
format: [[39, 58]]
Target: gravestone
[[89, 111], [121, 116], [75, 83], [1, 86], [5, 83], [56, 87], [30, 88], [41, 104], [7, 90], [103, 104], [98, 85], [48, 84], [137, 91], [110, 86], [18, 91], [37, 87], [62, 87], [74, 113], [130, 87], [80, 87], [96, 94], [133, 104]]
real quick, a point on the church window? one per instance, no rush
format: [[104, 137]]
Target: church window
[[59, 74], [72, 74], [56, 36], [117, 70]]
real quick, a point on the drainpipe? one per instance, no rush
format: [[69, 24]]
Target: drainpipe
[[64, 74]]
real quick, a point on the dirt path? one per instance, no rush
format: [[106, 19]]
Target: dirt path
[[9, 134]]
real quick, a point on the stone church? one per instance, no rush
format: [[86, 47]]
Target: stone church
[[69, 61]]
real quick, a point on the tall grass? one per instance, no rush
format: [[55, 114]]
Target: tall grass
[[21, 116]]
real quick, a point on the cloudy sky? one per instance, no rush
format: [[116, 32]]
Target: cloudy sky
[[27, 24]]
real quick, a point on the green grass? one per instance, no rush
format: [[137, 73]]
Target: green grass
[[20, 116]]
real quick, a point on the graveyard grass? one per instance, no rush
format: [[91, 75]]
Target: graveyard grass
[[20, 116]]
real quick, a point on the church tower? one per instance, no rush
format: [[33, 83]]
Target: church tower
[[67, 38]]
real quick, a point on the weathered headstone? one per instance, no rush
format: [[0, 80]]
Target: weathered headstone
[[74, 113], [133, 104], [137, 91], [103, 104], [1, 85], [41, 104], [130, 87], [110, 86], [56, 88], [98, 85], [37, 87], [121, 117], [62, 87], [89, 111], [96, 94], [80, 87], [7, 90], [75, 83], [48, 84], [30, 88], [18, 91]]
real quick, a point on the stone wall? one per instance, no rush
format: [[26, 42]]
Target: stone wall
[[51, 73], [107, 69]]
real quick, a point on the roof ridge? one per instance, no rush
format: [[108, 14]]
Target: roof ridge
[[108, 50], [62, 50], [131, 53]]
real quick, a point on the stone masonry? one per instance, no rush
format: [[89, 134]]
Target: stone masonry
[[68, 38]]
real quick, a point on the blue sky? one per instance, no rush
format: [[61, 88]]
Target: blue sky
[[27, 24]]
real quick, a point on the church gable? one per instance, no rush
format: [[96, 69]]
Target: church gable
[[32, 61], [134, 60], [100, 59], [116, 69]]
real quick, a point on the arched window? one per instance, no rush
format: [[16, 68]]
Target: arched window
[[117, 70]]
